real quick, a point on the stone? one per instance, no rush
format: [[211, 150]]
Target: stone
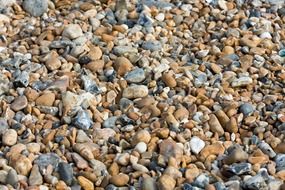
[[4, 84], [135, 91], [12, 178], [242, 81], [166, 182], [46, 99], [232, 126], [169, 148], [82, 137], [246, 109], [98, 167], [266, 148], [103, 134], [35, 7], [9, 137], [53, 63], [216, 148], [141, 136], [122, 50], [215, 125], [21, 164], [85, 183], [238, 169], [83, 120], [35, 177], [255, 182], [95, 66], [122, 65], [202, 180], [148, 183], [236, 155], [196, 144], [120, 180], [141, 147], [19, 103], [135, 76], [110, 122], [114, 169], [3, 176], [72, 31], [169, 80], [123, 159], [44, 160], [80, 162], [65, 172], [152, 45]]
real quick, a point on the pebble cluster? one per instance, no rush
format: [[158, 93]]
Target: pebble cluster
[[142, 94]]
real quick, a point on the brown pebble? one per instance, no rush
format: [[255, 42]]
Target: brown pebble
[[19, 103], [122, 65], [120, 180], [47, 99], [169, 80]]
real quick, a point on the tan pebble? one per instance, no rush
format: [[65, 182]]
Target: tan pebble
[[281, 174], [181, 113], [61, 186], [21, 164], [192, 172], [135, 91], [169, 80], [280, 148], [216, 68], [228, 50], [53, 63], [114, 169], [166, 182], [258, 157], [122, 65], [10, 137], [215, 125], [95, 53], [34, 147], [232, 126], [119, 28], [162, 133], [216, 148], [95, 66], [107, 38], [222, 117], [119, 180], [31, 94], [85, 183], [210, 187], [141, 136], [46, 99]]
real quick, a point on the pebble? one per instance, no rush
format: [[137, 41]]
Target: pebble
[[65, 172], [122, 65], [196, 144], [46, 99], [10, 137], [72, 31], [35, 7], [135, 76], [166, 182], [148, 184], [119, 180], [246, 109], [141, 147], [12, 178], [135, 91], [215, 125], [21, 164], [35, 177], [85, 183], [152, 45], [19, 103]]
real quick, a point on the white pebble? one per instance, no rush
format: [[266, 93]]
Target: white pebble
[[196, 144], [141, 147]]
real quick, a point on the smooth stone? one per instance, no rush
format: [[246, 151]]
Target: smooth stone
[[19, 103], [166, 182], [35, 177], [80, 162], [35, 7], [135, 91], [236, 155], [215, 125], [65, 172], [266, 149], [148, 183], [46, 99], [141, 147], [122, 65], [12, 178], [82, 137], [10, 137], [141, 136], [135, 76], [3, 176], [119, 180], [196, 144], [21, 164], [85, 183], [98, 167], [72, 31], [246, 109], [242, 81]]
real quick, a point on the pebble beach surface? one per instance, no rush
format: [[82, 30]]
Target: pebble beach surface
[[142, 94]]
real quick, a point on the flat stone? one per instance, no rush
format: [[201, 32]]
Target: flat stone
[[19, 103], [72, 31], [135, 76], [196, 144], [135, 91], [35, 7]]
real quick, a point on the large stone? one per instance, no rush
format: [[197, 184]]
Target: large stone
[[35, 7]]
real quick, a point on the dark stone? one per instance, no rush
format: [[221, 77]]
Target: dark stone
[[47, 159], [246, 109], [65, 172], [83, 120], [83, 60]]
